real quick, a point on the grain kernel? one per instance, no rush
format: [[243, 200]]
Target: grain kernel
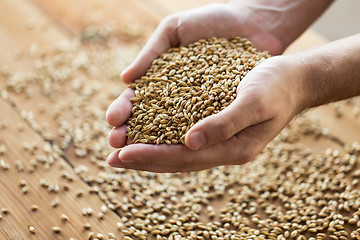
[[32, 229], [56, 229]]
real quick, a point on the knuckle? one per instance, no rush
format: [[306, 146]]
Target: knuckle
[[169, 22], [243, 152], [259, 105], [170, 26], [226, 128], [259, 108]]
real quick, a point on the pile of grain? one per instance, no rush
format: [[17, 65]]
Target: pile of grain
[[187, 84]]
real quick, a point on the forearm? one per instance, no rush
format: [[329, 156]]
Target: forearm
[[333, 71], [285, 19]]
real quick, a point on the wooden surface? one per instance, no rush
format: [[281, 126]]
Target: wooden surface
[[14, 225], [28, 25]]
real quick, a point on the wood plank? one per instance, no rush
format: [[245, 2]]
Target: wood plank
[[44, 115], [31, 19], [137, 183], [24, 29], [29, 149], [15, 225], [33, 83], [166, 7], [341, 120], [22, 25], [67, 107], [55, 111], [127, 15]]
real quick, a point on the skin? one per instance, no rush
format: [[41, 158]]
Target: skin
[[267, 98]]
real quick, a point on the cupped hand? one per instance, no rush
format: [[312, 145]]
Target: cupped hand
[[267, 99], [215, 20], [265, 102]]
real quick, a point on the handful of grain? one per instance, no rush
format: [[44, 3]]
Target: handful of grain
[[187, 84]]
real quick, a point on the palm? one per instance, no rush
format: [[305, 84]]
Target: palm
[[217, 20]]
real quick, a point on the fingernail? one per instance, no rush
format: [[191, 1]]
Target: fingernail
[[114, 162], [116, 165], [197, 140], [122, 159]]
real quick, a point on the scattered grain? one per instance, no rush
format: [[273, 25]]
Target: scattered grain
[[5, 210], [64, 218], [79, 193], [87, 226], [23, 183], [91, 235], [34, 207], [2, 149], [288, 191], [56, 229], [32, 229], [55, 203], [4, 165]]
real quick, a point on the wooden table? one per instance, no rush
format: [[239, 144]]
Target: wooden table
[[59, 180]]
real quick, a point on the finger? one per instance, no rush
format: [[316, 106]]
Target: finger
[[117, 136], [246, 110], [164, 37], [160, 168], [179, 158], [120, 110], [147, 167], [239, 149], [113, 159]]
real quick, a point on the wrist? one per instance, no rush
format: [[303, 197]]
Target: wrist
[[316, 67], [297, 73], [332, 71]]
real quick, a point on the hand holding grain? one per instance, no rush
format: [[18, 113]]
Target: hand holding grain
[[267, 98], [233, 136]]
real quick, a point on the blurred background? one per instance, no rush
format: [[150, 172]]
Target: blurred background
[[340, 20]]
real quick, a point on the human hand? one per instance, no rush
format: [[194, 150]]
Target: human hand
[[215, 20], [230, 138], [267, 99]]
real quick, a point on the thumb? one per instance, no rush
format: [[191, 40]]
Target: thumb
[[164, 37], [244, 111]]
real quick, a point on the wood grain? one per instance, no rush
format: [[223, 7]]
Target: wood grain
[[77, 15], [24, 23], [15, 134], [21, 25]]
